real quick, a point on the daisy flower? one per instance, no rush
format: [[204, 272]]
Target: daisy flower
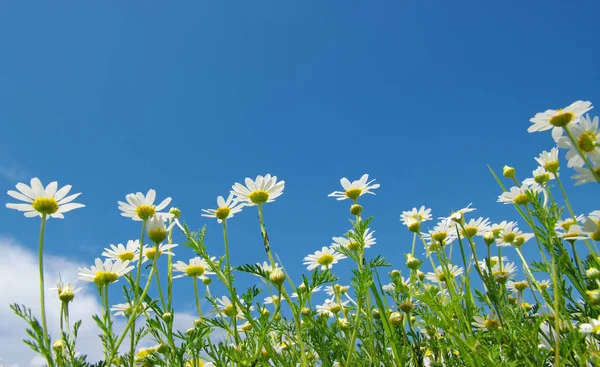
[[587, 137], [413, 218], [352, 244], [331, 307], [442, 234], [226, 208], [565, 224], [584, 175], [497, 228], [157, 230], [123, 253], [340, 289], [440, 275], [575, 232], [262, 190], [591, 225], [124, 309], [226, 307], [66, 291], [540, 176], [504, 273], [592, 328], [302, 289], [493, 262], [391, 287], [324, 259], [152, 252], [490, 323], [519, 195], [196, 268], [543, 284], [475, 227], [355, 189], [244, 328], [519, 286], [549, 160], [458, 215], [104, 273], [556, 119], [49, 201], [275, 300], [139, 207]]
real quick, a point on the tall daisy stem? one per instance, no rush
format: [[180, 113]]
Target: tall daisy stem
[[195, 281], [265, 236], [42, 291], [230, 280]]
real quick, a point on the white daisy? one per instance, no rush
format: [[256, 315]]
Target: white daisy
[[565, 224], [592, 328], [66, 290], [226, 208], [497, 228], [139, 207], [420, 215], [493, 262], [331, 307], [226, 307], [442, 234], [587, 137], [575, 232], [103, 273], [540, 176], [355, 189], [128, 252], [518, 286], [124, 309], [340, 289], [440, 275], [267, 267], [591, 225], [391, 287], [504, 273], [324, 259], [151, 252], [512, 236], [48, 201], [262, 190], [556, 119], [458, 215], [519, 195], [475, 227], [351, 244], [584, 175], [157, 230], [490, 323], [275, 300], [302, 289], [549, 160], [197, 267]]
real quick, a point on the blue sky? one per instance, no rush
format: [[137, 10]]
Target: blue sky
[[190, 97]]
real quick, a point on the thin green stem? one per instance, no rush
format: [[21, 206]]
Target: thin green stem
[[229, 275], [195, 280], [42, 290], [583, 156]]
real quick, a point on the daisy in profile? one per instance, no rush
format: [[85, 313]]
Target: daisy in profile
[[340, 289], [325, 259], [225, 210], [458, 216], [141, 207], [413, 218], [504, 273], [442, 234], [490, 323], [226, 307], [591, 225], [331, 307], [518, 286], [475, 227], [303, 290], [259, 191], [352, 244], [157, 230], [549, 160], [584, 175], [539, 176], [440, 275], [587, 137], [355, 189], [104, 273], [557, 119], [154, 252], [124, 309], [123, 252], [590, 328], [565, 224], [196, 268], [274, 300], [574, 233], [519, 195], [65, 290], [39, 201]]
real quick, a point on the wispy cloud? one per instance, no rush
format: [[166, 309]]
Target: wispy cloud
[[12, 172]]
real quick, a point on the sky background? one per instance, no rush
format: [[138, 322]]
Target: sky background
[[191, 96]]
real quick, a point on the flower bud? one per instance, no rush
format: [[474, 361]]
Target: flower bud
[[376, 314], [162, 348], [407, 306], [176, 212], [343, 323], [420, 275], [66, 295], [198, 323], [167, 317], [395, 274], [593, 273], [594, 296], [277, 276], [277, 317], [412, 262], [58, 346], [489, 238], [395, 318], [356, 209], [508, 172], [206, 281], [305, 311]]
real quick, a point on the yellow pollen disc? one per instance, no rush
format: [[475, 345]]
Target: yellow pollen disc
[[441, 277], [246, 327], [335, 308], [587, 141], [153, 253], [145, 211], [552, 166], [45, 205], [439, 236], [103, 278], [521, 199], [562, 119], [258, 197], [521, 286], [567, 224], [509, 237], [194, 271], [157, 235], [491, 324], [501, 276], [470, 231], [353, 193], [223, 213], [325, 259], [228, 310], [352, 245], [126, 256]]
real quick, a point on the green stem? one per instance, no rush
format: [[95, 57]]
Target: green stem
[[564, 194], [42, 290], [265, 236], [160, 292], [135, 292], [229, 275], [195, 280]]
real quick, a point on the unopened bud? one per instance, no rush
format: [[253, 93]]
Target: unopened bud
[[277, 276], [395, 318], [206, 281], [489, 238], [305, 311], [407, 306], [593, 273], [594, 296], [508, 172], [376, 314], [162, 348], [176, 212], [198, 323], [395, 274], [412, 262], [167, 317], [356, 209], [58, 346], [420, 275]]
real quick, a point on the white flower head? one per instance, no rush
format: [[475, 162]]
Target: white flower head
[[549, 160], [442, 234], [154, 252], [66, 290], [331, 307], [260, 191], [141, 207], [120, 252], [124, 309], [157, 230], [592, 328], [355, 189], [325, 259], [591, 225], [420, 215], [520, 195], [557, 119], [584, 175], [196, 268], [539, 176], [352, 244], [226, 307], [226, 208], [40, 201], [587, 139], [440, 274], [475, 227], [104, 273], [458, 216]]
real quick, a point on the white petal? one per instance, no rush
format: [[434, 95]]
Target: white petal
[[26, 190], [68, 207], [163, 204], [62, 192], [51, 189], [150, 197], [19, 196], [37, 187]]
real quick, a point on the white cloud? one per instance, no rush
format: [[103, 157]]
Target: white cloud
[[12, 173], [19, 283]]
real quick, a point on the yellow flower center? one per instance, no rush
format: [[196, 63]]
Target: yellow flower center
[[501, 276], [542, 178], [519, 241], [335, 308], [145, 211], [521, 286], [587, 141], [470, 231], [441, 277], [562, 119], [439, 236], [552, 166], [509, 237], [352, 245], [325, 259], [126, 256], [353, 193], [153, 253], [246, 327], [521, 199], [223, 213], [45, 205], [596, 235], [491, 324], [195, 363], [228, 310], [103, 278], [157, 235], [259, 196], [194, 271]]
